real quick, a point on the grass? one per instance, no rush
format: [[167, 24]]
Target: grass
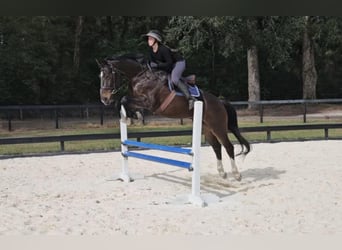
[[82, 146], [72, 128]]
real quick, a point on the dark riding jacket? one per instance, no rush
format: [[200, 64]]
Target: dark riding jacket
[[165, 58]]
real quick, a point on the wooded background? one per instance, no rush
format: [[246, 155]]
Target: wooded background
[[51, 59]]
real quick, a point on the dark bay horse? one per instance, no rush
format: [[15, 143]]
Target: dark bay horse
[[148, 90]]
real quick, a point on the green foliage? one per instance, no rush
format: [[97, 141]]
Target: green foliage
[[37, 54], [223, 42]]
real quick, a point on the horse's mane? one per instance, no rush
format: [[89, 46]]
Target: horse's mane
[[138, 57], [157, 76]]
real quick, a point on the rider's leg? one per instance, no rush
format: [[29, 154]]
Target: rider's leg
[[176, 74], [184, 89]]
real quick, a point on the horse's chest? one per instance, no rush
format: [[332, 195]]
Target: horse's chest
[[140, 88]]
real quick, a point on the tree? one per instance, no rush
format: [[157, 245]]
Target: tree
[[29, 55], [78, 32], [326, 39], [272, 35], [253, 61], [199, 38], [253, 75], [236, 39], [51, 59], [309, 72]]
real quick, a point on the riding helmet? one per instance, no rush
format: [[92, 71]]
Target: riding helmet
[[155, 34]]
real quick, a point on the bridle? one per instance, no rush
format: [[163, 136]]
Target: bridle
[[114, 73]]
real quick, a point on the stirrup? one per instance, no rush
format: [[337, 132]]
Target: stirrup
[[191, 103]]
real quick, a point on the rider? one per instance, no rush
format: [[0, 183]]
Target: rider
[[163, 58]]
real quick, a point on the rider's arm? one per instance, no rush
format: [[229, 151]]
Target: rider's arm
[[167, 62]]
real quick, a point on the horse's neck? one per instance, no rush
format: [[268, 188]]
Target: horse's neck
[[131, 72], [130, 68]]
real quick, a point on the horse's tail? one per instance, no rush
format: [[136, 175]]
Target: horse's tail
[[233, 127]]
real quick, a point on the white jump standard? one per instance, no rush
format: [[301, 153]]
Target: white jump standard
[[194, 151]]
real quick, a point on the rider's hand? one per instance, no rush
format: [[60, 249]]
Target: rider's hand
[[153, 65]]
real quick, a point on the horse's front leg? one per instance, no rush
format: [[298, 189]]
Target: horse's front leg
[[133, 106]]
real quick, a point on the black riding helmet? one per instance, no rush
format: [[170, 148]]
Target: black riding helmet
[[155, 34]]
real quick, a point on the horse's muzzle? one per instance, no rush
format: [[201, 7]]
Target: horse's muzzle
[[106, 97], [106, 101]]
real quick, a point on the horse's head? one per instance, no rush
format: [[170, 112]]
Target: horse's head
[[110, 82], [112, 70]]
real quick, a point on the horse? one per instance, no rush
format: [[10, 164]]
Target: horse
[[148, 89]]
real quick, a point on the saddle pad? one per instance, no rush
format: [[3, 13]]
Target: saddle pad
[[194, 91]]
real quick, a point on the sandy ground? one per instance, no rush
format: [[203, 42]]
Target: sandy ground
[[291, 188]]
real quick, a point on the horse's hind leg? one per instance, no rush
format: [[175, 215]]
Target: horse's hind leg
[[220, 136], [216, 145], [230, 150]]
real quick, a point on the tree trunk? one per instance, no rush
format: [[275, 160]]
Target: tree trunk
[[253, 76], [78, 32], [110, 28], [213, 59], [309, 73], [124, 30]]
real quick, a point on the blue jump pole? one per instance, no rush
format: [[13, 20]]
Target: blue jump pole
[[167, 161], [178, 150]]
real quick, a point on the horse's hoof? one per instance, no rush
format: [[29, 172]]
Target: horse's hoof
[[237, 176], [223, 175], [128, 121], [139, 116], [191, 104]]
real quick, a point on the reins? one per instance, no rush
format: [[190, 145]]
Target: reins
[[114, 70]]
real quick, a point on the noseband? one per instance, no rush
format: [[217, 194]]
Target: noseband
[[114, 72], [113, 79]]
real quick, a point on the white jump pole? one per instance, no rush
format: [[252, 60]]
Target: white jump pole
[[195, 197], [123, 134]]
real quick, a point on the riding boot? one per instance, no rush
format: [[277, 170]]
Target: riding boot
[[184, 89]]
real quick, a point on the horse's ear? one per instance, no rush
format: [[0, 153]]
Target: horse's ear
[[102, 63], [98, 63]]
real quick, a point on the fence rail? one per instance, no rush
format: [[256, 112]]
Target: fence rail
[[139, 135], [9, 112], [262, 104]]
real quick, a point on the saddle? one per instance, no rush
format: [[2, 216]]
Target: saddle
[[193, 89], [190, 79]]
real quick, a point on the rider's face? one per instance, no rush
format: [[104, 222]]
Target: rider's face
[[151, 41]]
